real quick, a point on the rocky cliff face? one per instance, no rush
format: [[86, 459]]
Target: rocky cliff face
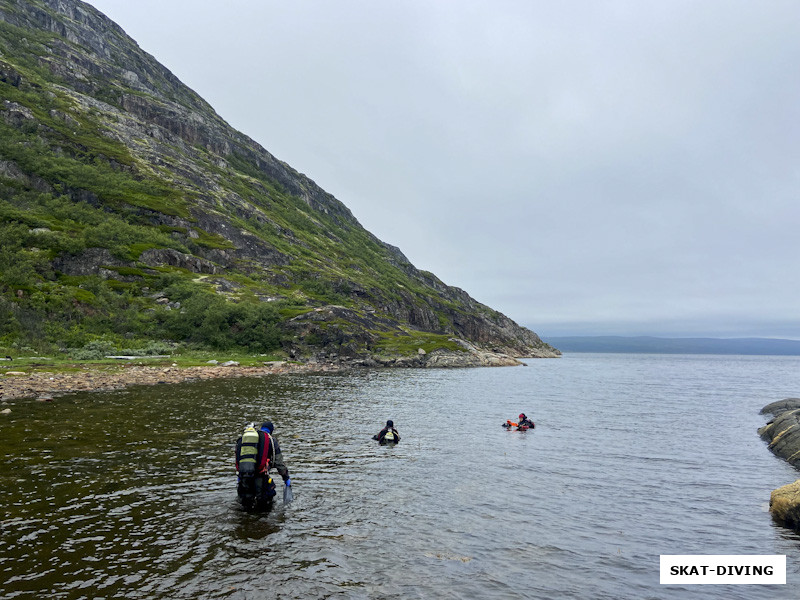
[[168, 199]]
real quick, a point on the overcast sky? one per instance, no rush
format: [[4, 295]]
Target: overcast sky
[[585, 167]]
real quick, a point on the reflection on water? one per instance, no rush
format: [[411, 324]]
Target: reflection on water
[[131, 494]]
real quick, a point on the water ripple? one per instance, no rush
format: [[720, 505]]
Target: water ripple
[[620, 469]]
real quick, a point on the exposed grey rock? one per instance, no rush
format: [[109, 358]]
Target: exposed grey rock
[[87, 262], [783, 431], [167, 256], [776, 408], [470, 358], [9, 76], [11, 170]]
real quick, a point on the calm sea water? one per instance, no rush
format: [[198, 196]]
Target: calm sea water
[[131, 494]]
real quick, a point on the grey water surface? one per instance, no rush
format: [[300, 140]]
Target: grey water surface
[[131, 494]]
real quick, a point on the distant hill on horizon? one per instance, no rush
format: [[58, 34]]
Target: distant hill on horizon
[[659, 345]]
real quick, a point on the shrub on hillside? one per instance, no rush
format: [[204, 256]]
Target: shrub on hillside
[[210, 320], [94, 350]]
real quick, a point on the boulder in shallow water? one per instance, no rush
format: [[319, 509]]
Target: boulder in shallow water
[[784, 504], [781, 406]]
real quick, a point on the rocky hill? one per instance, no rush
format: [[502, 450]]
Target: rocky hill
[[132, 215]]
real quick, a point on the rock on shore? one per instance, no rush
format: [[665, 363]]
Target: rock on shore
[[782, 434], [784, 504], [442, 359]]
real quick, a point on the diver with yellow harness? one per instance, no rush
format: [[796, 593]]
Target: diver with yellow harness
[[256, 452], [387, 435]]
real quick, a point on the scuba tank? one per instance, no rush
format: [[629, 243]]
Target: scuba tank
[[248, 455], [255, 488]]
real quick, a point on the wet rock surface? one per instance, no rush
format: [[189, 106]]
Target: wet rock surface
[[782, 434]]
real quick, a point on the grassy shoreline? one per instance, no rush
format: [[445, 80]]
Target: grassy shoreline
[[184, 359]]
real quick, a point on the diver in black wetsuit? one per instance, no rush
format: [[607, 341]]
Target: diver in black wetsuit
[[523, 421], [387, 435], [257, 451]]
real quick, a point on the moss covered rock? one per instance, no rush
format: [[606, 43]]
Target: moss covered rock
[[784, 504]]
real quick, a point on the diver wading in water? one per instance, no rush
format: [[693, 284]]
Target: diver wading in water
[[387, 435], [257, 451]]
